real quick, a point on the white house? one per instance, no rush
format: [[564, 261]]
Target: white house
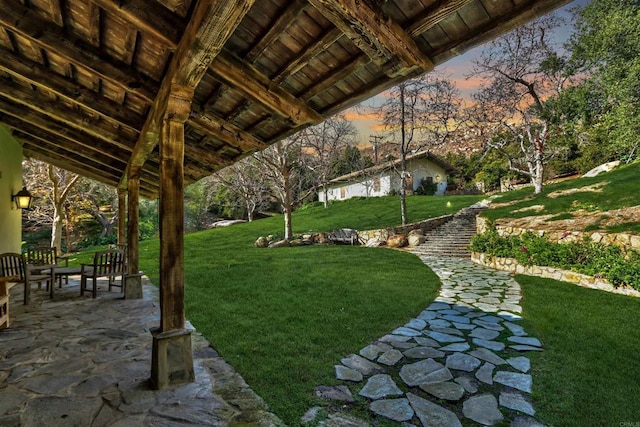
[[383, 179]]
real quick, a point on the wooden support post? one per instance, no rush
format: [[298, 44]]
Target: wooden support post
[[172, 359], [133, 280], [122, 216]]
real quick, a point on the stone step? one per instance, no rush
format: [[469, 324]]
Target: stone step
[[451, 239]]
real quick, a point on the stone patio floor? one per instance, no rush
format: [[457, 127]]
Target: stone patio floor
[[78, 361]]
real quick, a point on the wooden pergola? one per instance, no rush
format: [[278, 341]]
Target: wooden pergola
[[150, 95]]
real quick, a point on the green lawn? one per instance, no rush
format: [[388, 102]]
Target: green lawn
[[284, 317], [619, 189], [588, 374]]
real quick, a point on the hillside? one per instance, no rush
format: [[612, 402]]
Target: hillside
[[609, 202]]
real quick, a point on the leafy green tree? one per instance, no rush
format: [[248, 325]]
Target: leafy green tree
[[606, 48]]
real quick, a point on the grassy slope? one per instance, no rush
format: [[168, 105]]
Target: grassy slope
[[283, 317], [621, 190], [588, 374]]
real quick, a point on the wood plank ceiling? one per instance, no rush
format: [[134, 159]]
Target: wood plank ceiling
[[79, 78]]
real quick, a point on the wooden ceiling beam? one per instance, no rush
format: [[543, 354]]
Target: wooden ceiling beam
[[435, 13], [292, 9], [225, 131], [146, 16], [518, 15], [41, 105], [211, 25], [22, 118], [39, 75], [23, 21], [379, 37], [243, 77]]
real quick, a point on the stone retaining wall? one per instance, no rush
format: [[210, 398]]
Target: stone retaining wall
[[511, 265], [624, 240], [383, 234]]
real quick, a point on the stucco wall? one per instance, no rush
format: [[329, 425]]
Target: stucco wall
[[10, 183]]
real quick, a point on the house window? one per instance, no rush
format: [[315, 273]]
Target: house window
[[343, 192], [376, 183]]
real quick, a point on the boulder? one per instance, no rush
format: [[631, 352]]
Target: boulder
[[280, 244], [416, 240], [262, 242], [296, 242], [416, 232], [397, 241], [321, 238], [374, 242]]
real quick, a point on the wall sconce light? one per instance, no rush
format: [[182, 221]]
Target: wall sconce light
[[438, 178], [22, 199]]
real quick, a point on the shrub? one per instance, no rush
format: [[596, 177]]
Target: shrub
[[587, 257]]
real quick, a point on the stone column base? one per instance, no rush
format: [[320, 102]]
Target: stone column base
[[133, 286], [171, 358]]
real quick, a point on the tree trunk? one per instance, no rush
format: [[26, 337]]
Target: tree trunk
[[56, 227], [286, 207], [326, 195], [250, 209], [403, 160]]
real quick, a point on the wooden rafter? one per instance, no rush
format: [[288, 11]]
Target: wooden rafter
[[40, 104], [258, 87], [28, 24], [40, 76], [225, 131], [435, 13], [145, 15], [379, 37]]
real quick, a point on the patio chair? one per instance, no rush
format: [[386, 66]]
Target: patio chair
[[15, 266], [109, 264], [41, 260]]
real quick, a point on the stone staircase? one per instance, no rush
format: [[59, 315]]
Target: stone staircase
[[452, 238]]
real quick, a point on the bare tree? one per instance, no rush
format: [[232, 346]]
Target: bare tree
[[326, 142], [520, 70], [53, 186], [418, 113], [282, 165], [246, 181]]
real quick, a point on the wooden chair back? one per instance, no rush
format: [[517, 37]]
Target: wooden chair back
[[42, 256], [12, 264]]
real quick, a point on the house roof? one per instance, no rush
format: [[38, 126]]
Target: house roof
[[393, 164], [84, 84]]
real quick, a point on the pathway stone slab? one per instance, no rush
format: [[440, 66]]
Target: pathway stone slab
[[523, 421], [517, 402], [491, 345], [469, 384], [462, 362], [427, 315], [406, 332], [535, 342], [426, 371], [460, 346], [519, 347], [457, 319], [449, 331], [431, 414], [380, 386], [389, 338], [522, 382], [362, 365], [488, 356], [426, 342], [445, 390], [464, 326], [482, 409], [438, 306], [521, 363], [515, 329], [485, 334], [485, 373], [394, 409], [373, 350], [416, 324], [347, 374], [488, 325], [423, 353], [338, 393], [390, 357], [486, 307], [445, 338]]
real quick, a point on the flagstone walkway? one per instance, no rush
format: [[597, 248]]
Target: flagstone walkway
[[462, 360], [78, 361]]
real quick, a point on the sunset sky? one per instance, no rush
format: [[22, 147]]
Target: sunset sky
[[456, 68]]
